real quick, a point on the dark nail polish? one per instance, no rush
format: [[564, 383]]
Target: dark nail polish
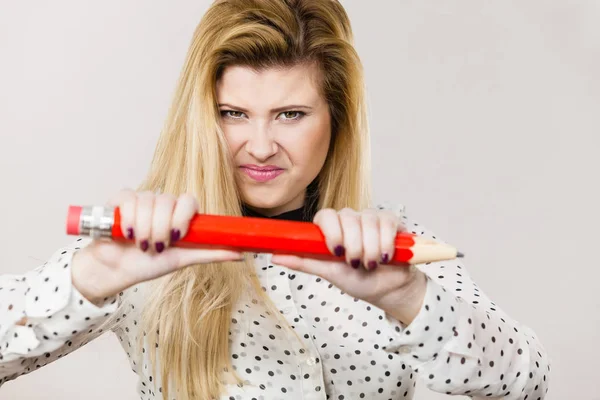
[[355, 263], [175, 235], [130, 233], [385, 258], [160, 246], [372, 265], [339, 251], [144, 245]]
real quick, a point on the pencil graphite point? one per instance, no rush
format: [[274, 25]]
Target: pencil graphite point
[[459, 254]]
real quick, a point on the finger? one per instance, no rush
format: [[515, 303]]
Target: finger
[[185, 209], [389, 226], [352, 235], [143, 219], [335, 272], [370, 237], [164, 204], [328, 221], [325, 269], [293, 262], [125, 199], [175, 258]]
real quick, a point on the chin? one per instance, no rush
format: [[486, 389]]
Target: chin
[[264, 198], [263, 203]]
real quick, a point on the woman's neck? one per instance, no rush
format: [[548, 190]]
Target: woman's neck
[[304, 213], [302, 208]]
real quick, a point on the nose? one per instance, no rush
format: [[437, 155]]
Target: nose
[[261, 144]]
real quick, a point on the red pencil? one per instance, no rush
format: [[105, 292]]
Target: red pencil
[[261, 235]]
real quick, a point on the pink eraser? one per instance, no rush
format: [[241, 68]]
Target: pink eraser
[[73, 218]]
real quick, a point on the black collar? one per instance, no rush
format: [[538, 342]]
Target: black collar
[[305, 214]]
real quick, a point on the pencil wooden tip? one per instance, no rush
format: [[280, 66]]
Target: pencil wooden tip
[[459, 254]]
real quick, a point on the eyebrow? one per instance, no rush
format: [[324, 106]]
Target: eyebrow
[[274, 110]]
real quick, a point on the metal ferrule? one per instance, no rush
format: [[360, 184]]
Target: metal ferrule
[[96, 221]]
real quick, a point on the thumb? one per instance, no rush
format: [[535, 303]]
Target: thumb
[[292, 262], [324, 269], [185, 257]]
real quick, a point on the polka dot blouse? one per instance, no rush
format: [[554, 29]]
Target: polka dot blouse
[[460, 343]]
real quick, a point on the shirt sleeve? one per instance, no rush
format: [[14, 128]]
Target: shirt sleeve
[[462, 343], [57, 318]]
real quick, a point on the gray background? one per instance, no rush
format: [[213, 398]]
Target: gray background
[[484, 117]]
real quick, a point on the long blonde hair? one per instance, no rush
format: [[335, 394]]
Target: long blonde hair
[[188, 313]]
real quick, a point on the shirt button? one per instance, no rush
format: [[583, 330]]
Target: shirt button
[[404, 349], [311, 361]]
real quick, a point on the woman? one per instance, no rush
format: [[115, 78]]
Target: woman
[[268, 120]]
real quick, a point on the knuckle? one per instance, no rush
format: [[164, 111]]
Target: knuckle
[[325, 214], [145, 196], [187, 199], [349, 217], [347, 211], [165, 199], [369, 216], [369, 221], [388, 224], [370, 211]]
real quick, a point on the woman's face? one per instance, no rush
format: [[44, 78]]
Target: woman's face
[[278, 128]]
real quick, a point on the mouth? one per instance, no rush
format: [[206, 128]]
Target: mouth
[[262, 174]]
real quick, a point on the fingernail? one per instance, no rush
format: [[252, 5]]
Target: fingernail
[[372, 265], [385, 258], [175, 235], [130, 233], [355, 263], [160, 246], [339, 251], [144, 245]]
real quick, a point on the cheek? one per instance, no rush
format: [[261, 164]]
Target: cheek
[[310, 148], [234, 138]]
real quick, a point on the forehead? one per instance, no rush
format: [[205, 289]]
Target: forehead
[[269, 87]]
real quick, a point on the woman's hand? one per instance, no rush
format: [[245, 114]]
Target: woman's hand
[[367, 241], [105, 268]]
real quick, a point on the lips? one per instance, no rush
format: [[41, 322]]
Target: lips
[[262, 169], [262, 173]]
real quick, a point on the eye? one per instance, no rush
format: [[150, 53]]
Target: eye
[[232, 114], [292, 115]]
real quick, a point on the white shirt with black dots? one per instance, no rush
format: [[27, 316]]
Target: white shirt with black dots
[[460, 343]]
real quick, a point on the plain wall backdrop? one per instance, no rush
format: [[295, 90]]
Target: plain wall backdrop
[[485, 118]]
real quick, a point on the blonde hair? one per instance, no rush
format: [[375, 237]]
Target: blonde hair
[[188, 313]]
